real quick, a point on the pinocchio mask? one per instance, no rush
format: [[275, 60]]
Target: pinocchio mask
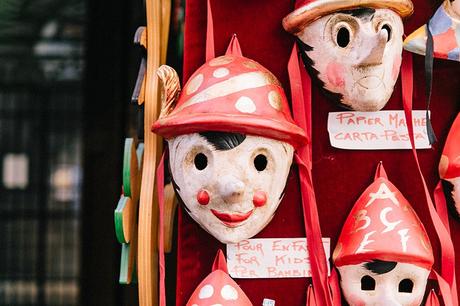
[[383, 254], [449, 166], [352, 48], [231, 140]]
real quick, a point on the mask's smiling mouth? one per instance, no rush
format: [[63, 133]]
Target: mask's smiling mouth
[[232, 219]]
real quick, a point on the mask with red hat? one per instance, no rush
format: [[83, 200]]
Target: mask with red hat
[[231, 140], [218, 288], [352, 48], [383, 254], [449, 166]]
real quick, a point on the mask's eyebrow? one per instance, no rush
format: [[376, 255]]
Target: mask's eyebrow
[[380, 266], [364, 13]]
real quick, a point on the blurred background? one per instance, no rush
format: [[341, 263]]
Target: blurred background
[[67, 72]]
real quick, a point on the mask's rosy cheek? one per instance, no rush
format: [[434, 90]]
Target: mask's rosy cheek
[[259, 199], [396, 66], [355, 300], [202, 197], [335, 74]]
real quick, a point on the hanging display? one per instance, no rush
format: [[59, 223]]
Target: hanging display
[[444, 28], [352, 48], [449, 165], [218, 288], [383, 253], [231, 140]]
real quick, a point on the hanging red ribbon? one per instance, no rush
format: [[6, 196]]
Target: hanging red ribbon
[[301, 105], [161, 249], [447, 248]]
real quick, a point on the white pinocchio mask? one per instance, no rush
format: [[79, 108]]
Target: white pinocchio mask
[[383, 254], [231, 140], [354, 50]]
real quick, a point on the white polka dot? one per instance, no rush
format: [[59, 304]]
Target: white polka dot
[[216, 305], [245, 105], [194, 84], [194, 305], [274, 98], [221, 60], [206, 292], [229, 293], [220, 72]]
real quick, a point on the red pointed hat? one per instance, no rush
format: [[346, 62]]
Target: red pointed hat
[[218, 288], [308, 11], [449, 166], [383, 226], [232, 93]]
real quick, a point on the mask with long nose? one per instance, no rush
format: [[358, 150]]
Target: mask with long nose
[[231, 184], [355, 55]]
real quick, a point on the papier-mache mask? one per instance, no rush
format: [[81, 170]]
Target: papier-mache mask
[[231, 140], [353, 48], [383, 253], [218, 288], [449, 166], [445, 30]]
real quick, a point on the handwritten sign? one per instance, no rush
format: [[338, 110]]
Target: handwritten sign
[[271, 258], [376, 130]]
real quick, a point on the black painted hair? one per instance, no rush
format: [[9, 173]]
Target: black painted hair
[[223, 141], [361, 13], [380, 266], [308, 65]]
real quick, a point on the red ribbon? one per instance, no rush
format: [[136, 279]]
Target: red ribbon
[[161, 249], [447, 247], [301, 105]]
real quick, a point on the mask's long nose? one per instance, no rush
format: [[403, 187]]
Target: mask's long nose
[[387, 298], [231, 188], [373, 48]]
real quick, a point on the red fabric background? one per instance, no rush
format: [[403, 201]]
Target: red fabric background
[[340, 176]]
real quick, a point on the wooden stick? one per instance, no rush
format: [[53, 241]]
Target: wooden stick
[[148, 210]]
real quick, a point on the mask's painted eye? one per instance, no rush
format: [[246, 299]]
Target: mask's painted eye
[[343, 37], [201, 161], [387, 28], [260, 162], [367, 283], [406, 285]]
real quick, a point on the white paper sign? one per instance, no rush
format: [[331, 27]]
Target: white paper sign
[[271, 258], [376, 130]]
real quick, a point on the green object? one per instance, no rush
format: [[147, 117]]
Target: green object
[[122, 203], [129, 148], [124, 263]]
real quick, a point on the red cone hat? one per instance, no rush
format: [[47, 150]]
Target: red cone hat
[[383, 226], [449, 166], [232, 93], [218, 288], [308, 11]]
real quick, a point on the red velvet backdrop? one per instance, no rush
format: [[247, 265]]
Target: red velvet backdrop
[[340, 176]]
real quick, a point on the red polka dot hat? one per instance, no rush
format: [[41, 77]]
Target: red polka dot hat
[[230, 93], [382, 225], [218, 288]]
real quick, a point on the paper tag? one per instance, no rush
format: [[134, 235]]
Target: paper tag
[[268, 302], [271, 258], [381, 130]]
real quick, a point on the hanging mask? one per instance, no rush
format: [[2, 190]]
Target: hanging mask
[[218, 288], [383, 254], [449, 166], [444, 27], [352, 48], [231, 140]]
